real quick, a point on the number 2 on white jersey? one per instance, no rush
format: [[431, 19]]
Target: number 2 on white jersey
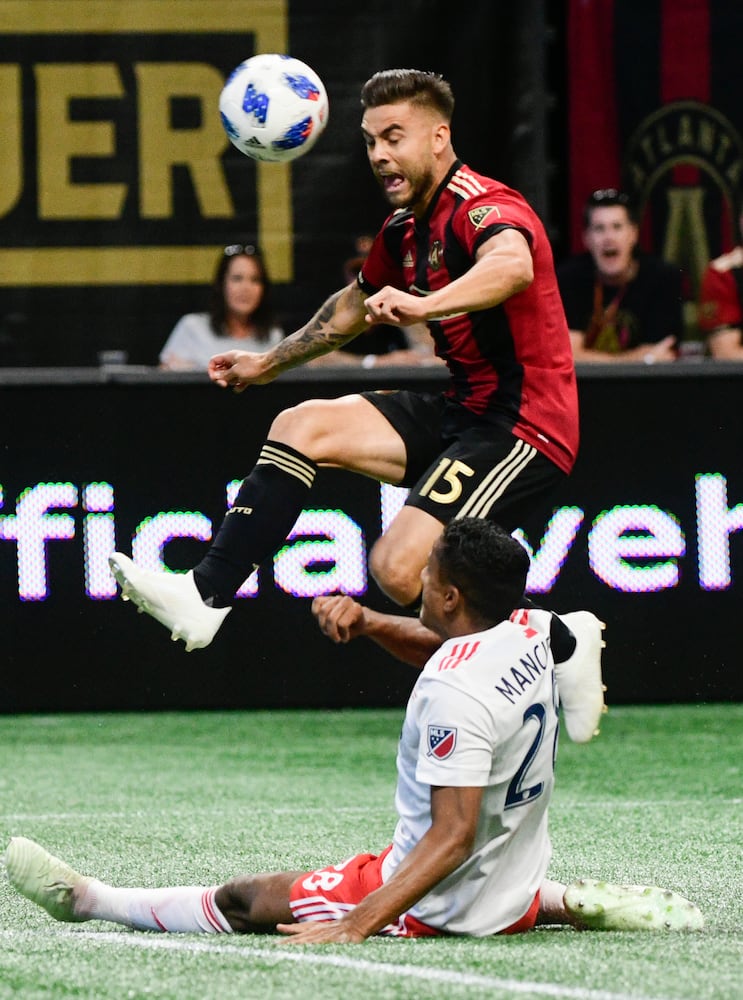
[[517, 794]]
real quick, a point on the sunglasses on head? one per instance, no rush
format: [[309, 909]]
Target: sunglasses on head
[[608, 196], [235, 248]]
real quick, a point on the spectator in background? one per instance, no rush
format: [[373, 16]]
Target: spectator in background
[[620, 304], [721, 304], [240, 316], [382, 345]]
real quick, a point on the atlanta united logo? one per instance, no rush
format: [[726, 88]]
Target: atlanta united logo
[[434, 255], [441, 742], [685, 132], [675, 205]]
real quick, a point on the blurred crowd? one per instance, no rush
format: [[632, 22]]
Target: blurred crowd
[[624, 305], [621, 304]]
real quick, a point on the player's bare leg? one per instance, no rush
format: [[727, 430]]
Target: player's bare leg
[[254, 904], [401, 553], [348, 432], [246, 904]]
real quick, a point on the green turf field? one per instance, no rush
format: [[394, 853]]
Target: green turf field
[[194, 798]]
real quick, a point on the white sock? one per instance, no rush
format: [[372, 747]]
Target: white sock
[[184, 909]]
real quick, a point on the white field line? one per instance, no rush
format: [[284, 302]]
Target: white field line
[[292, 953], [254, 810]]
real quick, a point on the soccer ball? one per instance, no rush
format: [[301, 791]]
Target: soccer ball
[[273, 108]]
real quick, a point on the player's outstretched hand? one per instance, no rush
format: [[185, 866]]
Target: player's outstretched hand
[[320, 932], [339, 617], [237, 370]]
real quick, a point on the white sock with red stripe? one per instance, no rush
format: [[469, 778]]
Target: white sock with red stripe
[[182, 909]]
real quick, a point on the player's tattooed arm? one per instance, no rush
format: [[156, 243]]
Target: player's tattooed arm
[[339, 319]]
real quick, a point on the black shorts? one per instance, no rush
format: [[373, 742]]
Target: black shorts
[[461, 465]]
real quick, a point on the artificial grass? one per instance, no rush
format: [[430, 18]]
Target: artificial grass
[[192, 798]]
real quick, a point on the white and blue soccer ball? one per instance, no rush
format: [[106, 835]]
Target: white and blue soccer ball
[[273, 107]]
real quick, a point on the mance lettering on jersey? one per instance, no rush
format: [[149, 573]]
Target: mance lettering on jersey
[[512, 363], [483, 714]]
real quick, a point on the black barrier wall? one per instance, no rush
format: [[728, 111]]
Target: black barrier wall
[[646, 533]]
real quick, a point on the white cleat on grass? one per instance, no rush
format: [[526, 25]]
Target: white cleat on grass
[[607, 907], [43, 879], [170, 598], [579, 682]]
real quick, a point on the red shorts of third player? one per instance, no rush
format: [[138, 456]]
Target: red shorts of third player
[[329, 893]]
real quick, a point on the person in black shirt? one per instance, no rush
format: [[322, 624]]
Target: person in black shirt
[[620, 304]]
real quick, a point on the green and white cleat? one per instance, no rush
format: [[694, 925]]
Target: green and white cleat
[[42, 878], [606, 907]]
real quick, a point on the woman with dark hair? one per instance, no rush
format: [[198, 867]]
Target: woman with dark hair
[[240, 314]]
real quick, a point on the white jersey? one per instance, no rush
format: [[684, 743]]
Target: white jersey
[[483, 713], [193, 342]]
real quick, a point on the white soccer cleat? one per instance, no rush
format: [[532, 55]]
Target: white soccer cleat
[[606, 907], [579, 682], [42, 878], [170, 598]]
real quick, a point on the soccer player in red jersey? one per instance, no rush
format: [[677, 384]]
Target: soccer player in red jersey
[[469, 257]]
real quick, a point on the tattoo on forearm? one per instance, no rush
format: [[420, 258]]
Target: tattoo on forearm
[[320, 335]]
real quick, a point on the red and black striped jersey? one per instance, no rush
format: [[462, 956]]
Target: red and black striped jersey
[[512, 363]]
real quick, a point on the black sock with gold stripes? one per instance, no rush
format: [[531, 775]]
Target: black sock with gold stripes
[[266, 506]]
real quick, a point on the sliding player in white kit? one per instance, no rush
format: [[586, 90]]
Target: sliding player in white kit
[[471, 847]]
